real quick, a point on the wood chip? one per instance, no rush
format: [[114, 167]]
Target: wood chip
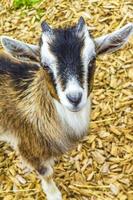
[[101, 166], [114, 189], [98, 157], [20, 179]]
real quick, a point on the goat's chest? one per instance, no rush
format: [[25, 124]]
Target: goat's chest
[[74, 123]]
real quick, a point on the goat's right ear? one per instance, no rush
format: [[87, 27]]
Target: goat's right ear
[[113, 41], [20, 50]]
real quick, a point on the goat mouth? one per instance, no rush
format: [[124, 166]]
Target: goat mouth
[[75, 110]]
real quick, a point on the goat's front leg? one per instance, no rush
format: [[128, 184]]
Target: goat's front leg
[[45, 171], [50, 189], [48, 185]]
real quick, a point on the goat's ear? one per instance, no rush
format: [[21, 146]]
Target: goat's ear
[[81, 27], [20, 50], [46, 28], [113, 41]]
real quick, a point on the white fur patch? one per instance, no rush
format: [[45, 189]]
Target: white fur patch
[[50, 189], [78, 121], [71, 87], [87, 53], [89, 47], [46, 56]]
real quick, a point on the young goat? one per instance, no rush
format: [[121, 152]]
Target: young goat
[[45, 108]]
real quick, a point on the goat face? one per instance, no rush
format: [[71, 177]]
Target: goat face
[[69, 56]]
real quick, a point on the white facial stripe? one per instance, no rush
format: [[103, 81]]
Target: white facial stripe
[[88, 49], [87, 53], [73, 86], [46, 55], [50, 60]]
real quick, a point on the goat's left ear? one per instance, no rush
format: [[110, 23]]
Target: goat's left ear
[[113, 41], [20, 50], [81, 27]]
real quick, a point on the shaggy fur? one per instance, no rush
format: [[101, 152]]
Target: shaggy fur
[[32, 118], [28, 112]]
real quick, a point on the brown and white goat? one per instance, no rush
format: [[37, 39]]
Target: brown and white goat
[[45, 108]]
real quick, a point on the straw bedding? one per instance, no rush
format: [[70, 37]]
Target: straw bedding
[[101, 167]]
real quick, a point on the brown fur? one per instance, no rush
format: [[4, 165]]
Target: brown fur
[[30, 116], [50, 86]]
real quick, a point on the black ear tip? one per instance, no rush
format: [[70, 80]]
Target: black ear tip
[[45, 27], [81, 20], [80, 24]]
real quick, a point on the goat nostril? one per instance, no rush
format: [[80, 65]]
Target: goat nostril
[[75, 98]]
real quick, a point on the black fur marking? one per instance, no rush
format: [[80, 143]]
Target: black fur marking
[[67, 48], [51, 75], [80, 24], [42, 170], [46, 28], [21, 73], [91, 71]]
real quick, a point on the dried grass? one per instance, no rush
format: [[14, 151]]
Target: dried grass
[[102, 165]]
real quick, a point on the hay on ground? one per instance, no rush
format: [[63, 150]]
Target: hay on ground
[[101, 167]]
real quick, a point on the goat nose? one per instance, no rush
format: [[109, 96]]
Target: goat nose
[[74, 98]]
